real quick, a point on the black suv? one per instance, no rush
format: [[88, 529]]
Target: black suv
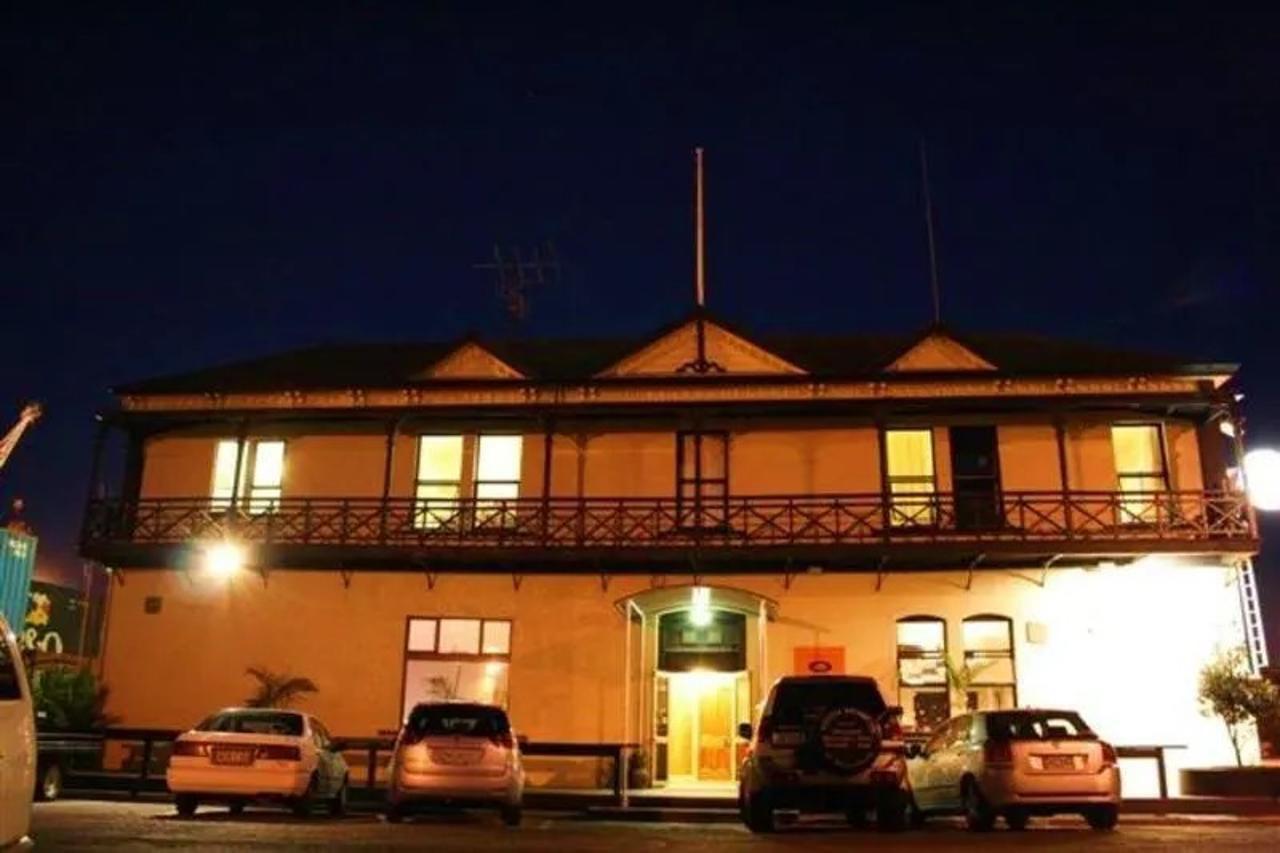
[[826, 743]]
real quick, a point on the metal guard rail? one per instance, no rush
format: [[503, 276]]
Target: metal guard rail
[[734, 521]]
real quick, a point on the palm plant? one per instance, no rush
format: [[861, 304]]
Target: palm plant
[[69, 699], [277, 690], [961, 678]]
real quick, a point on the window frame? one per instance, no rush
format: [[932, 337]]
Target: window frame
[[971, 656], [461, 657], [504, 507], [944, 687], [245, 493], [697, 517], [926, 512], [1146, 503], [422, 513]]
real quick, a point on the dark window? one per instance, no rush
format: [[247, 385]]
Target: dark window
[[922, 672], [988, 656], [801, 702], [702, 479], [975, 474], [254, 722], [1038, 725], [10, 687], [458, 719], [719, 646]]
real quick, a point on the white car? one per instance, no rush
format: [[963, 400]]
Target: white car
[[457, 753], [242, 755], [17, 742], [1015, 764]]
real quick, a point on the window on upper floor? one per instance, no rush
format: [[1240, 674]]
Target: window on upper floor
[[439, 481], [702, 478], [1140, 471], [911, 480], [988, 663], [922, 672], [261, 474], [497, 484]]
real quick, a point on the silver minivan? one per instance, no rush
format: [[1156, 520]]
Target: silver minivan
[[17, 742]]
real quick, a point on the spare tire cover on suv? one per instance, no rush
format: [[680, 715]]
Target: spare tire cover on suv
[[849, 740]]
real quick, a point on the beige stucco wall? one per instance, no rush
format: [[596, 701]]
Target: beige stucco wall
[[807, 460], [1122, 644]]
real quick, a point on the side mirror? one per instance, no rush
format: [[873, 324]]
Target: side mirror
[[745, 731], [916, 750], [522, 741]]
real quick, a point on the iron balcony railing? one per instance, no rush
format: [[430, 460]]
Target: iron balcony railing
[[735, 521]]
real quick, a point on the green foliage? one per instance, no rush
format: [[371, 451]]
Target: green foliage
[[961, 678], [69, 698], [277, 690], [1229, 690]]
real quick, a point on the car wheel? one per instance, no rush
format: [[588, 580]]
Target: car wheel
[[856, 815], [302, 803], [236, 807], [1016, 819], [50, 785], [511, 815], [1103, 817], [891, 812], [185, 804], [395, 814], [978, 815], [757, 812], [338, 804], [915, 815]]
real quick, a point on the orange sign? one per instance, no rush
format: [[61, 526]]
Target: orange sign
[[819, 660]]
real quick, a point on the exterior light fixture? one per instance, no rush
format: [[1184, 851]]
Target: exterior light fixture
[[223, 559], [700, 606], [1227, 428], [1262, 476]]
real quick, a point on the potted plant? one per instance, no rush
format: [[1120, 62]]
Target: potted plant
[[638, 769], [277, 690]]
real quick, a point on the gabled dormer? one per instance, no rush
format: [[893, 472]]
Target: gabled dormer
[[679, 351], [938, 351], [471, 360]]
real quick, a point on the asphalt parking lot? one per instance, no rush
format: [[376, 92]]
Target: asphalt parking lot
[[96, 825]]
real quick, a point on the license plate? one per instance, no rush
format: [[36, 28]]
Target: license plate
[[455, 757], [1059, 762], [239, 757]]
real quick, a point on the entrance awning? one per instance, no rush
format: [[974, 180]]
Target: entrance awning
[[665, 599]]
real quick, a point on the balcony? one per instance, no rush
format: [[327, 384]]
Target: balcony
[[740, 533]]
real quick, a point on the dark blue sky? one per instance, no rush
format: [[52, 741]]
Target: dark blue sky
[[209, 181]]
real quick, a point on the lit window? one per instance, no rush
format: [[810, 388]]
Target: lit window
[[988, 663], [1140, 471], [909, 463], [497, 479], [457, 659], [439, 481], [261, 474], [922, 672]]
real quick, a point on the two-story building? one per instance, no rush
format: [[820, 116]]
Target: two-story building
[[627, 541]]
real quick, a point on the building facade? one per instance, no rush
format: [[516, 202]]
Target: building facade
[[628, 541]]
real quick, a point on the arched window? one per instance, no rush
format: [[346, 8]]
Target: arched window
[[922, 672], [989, 678]]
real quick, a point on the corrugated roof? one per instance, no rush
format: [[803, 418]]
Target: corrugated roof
[[556, 360]]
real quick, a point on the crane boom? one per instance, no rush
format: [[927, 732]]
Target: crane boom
[[30, 414]]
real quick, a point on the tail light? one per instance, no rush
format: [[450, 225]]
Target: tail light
[[278, 752], [997, 752], [504, 740], [410, 737], [190, 748], [1108, 755]]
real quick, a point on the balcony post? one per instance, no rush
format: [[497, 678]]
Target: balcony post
[[1237, 448], [1060, 434], [886, 494], [548, 437], [242, 434], [388, 459]]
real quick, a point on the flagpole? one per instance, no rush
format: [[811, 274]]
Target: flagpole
[[699, 234]]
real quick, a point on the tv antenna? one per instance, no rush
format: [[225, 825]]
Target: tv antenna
[[517, 273]]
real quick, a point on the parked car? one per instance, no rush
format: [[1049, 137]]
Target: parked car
[[825, 744], [457, 753], [17, 742], [59, 754], [1015, 764], [243, 755]]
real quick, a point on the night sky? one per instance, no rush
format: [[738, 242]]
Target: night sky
[[206, 182]]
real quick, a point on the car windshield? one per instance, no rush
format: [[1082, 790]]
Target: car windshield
[[458, 719], [1038, 725], [254, 722], [797, 702]]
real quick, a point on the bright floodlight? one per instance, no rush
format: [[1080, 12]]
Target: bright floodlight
[[224, 559], [1262, 474], [700, 607]]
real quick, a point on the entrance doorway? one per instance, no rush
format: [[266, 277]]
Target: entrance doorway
[[703, 710]]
